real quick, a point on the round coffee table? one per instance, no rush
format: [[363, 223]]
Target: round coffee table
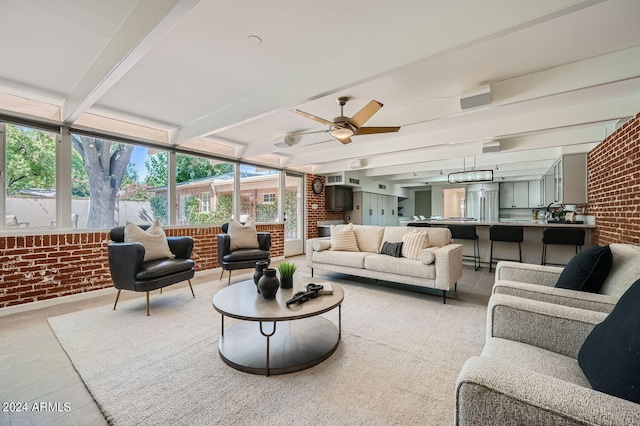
[[296, 337]]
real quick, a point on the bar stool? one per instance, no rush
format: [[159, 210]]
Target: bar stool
[[507, 234], [561, 237], [467, 232]]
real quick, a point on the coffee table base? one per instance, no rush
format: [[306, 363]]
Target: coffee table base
[[295, 345]]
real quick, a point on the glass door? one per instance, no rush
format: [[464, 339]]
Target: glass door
[[293, 214]]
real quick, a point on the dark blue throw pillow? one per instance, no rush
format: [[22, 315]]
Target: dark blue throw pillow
[[587, 270], [610, 355]]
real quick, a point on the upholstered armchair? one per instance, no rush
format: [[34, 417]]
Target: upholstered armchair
[[231, 258], [129, 271]]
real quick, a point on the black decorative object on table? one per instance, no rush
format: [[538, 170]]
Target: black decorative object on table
[[268, 284], [313, 291], [260, 265]]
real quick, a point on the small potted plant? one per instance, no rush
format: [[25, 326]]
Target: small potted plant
[[286, 270]]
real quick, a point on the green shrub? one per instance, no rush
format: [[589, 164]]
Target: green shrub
[[286, 269]]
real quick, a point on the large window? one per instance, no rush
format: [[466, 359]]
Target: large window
[[255, 183], [30, 180], [114, 183], [204, 190]]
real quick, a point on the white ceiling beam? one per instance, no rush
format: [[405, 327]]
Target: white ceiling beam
[[148, 22], [461, 24]]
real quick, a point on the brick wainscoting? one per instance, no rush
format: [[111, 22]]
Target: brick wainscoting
[[40, 267], [319, 214], [614, 186]]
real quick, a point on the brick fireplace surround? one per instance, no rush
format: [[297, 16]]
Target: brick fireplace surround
[[40, 267]]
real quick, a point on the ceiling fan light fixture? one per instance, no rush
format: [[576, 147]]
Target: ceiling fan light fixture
[[342, 132]]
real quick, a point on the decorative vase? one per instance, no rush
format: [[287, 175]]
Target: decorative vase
[[268, 283], [286, 282], [260, 265]]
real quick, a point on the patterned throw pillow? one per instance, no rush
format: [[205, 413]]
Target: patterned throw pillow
[[242, 236], [153, 239], [413, 243], [343, 240], [392, 249]]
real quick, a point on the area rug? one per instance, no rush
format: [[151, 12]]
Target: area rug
[[397, 362]]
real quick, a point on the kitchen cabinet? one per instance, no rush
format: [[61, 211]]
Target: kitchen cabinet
[[535, 194], [514, 195], [338, 198], [570, 179], [374, 209]]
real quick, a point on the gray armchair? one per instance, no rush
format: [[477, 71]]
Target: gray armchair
[[130, 272], [528, 371], [241, 258]]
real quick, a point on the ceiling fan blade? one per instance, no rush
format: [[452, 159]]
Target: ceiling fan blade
[[313, 117], [344, 139], [374, 130], [365, 113]]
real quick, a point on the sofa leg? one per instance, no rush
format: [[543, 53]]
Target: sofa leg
[[147, 303], [455, 287], [229, 282], [191, 288], [311, 272], [444, 297], [117, 296]]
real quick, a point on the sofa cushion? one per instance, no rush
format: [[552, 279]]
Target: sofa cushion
[[343, 239], [242, 236], [610, 355], [625, 270], [399, 266], [413, 243], [351, 259], [439, 237], [394, 234], [587, 270], [369, 238], [392, 249], [153, 239], [244, 255], [160, 268]]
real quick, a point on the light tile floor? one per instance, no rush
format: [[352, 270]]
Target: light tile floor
[[35, 369]]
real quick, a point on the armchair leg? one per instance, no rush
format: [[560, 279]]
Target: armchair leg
[[160, 290], [221, 274], [147, 303], [191, 288], [229, 282], [117, 296]]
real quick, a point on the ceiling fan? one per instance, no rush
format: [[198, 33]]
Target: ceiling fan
[[342, 128]]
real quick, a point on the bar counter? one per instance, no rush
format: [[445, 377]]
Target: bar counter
[[531, 246]]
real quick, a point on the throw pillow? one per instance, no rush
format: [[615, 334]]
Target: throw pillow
[[392, 249], [242, 236], [427, 256], [319, 245], [343, 240], [587, 270], [413, 243], [153, 239], [610, 355]]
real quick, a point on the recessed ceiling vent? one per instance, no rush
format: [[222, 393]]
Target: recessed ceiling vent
[[354, 181], [334, 179], [381, 186]]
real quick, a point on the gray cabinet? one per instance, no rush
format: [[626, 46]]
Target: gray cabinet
[[514, 195], [374, 209], [569, 175], [535, 194]]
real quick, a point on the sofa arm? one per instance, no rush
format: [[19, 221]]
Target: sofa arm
[[309, 248], [559, 296], [557, 328], [181, 246], [492, 392], [125, 260], [448, 263], [528, 273]]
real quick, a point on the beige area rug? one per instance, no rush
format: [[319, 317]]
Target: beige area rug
[[397, 362]]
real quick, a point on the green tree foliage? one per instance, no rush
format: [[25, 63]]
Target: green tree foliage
[[31, 159], [160, 209], [187, 168], [220, 215]]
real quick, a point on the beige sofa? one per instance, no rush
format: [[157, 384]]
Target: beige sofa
[[537, 282], [439, 266]]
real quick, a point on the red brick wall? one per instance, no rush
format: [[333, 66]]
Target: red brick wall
[[614, 186], [39, 267], [319, 214]]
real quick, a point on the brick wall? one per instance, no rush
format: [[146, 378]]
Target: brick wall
[[319, 214], [40, 267], [614, 186]]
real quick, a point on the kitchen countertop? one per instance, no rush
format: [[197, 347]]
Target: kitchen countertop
[[530, 224]]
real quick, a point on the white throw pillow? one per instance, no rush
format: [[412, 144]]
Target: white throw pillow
[[319, 245], [413, 243], [153, 239], [343, 240], [243, 236], [427, 256]]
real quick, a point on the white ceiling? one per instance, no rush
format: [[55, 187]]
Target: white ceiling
[[182, 72]]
